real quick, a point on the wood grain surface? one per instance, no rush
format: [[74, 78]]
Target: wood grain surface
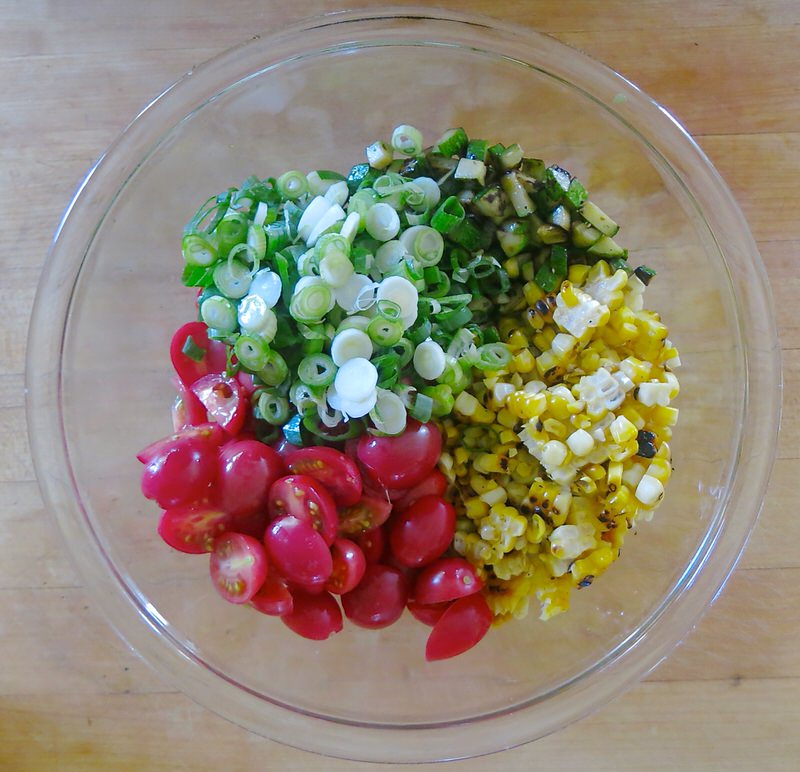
[[72, 697]]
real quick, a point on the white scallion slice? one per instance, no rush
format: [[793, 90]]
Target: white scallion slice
[[311, 216], [425, 243], [356, 322], [337, 193], [429, 360], [336, 269], [262, 210], [402, 292], [350, 344], [359, 409], [312, 299], [257, 318], [356, 380], [431, 189], [390, 254], [334, 214], [329, 415], [382, 222], [350, 226], [389, 414], [267, 285], [347, 295]]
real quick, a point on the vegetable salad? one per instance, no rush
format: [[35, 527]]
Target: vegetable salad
[[460, 306]]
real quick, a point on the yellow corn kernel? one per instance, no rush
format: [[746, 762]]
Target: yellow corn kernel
[[664, 416], [581, 421], [461, 455], [496, 495], [568, 295], [595, 471], [660, 468], [537, 530], [589, 360], [585, 485], [481, 484], [483, 416], [523, 361], [476, 508], [451, 433], [622, 430], [557, 407], [466, 404], [532, 292], [577, 273], [620, 502], [517, 492], [593, 564], [623, 452], [446, 466], [507, 435], [506, 418], [556, 428], [614, 476], [517, 340], [524, 471], [488, 463], [511, 267], [632, 414]]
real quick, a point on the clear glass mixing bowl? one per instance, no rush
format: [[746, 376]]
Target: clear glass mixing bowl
[[312, 96]]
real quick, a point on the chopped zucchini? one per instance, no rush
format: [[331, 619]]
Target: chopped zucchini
[[584, 235], [607, 247], [594, 215]]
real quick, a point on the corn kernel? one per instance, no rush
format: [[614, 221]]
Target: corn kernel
[[494, 496], [466, 404], [523, 361], [507, 435], [614, 476], [461, 455], [622, 430], [487, 463], [555, 428], [554, 453], [577, 273], [476, 508], [580, 442], [665, 416], [649, 491]]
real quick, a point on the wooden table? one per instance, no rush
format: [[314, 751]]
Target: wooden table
[[72, 74]]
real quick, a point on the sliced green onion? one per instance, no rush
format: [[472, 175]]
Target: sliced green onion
[[437, 282], [232, 230], [197, 251], [267, 285], [493, 356], [382, 222], [220, 313], [336, 269], [385, 332], [379, 156], [275, 371], [350, 344], [310, 301], [404, 349], [402, 292], [356, 380], [338, 192], [388, 309], [466, 234], [453, 318], [355, 322], [273, 407], [304, 397], [407, 140], [388, 368], [421, 407], [389, 413], [449, 214], [360, 202], [317, 370], [424, 243], [389, 254], [257, 241], [442, 397], [454, 375], [431, 190], [251, 352], [233, 279]]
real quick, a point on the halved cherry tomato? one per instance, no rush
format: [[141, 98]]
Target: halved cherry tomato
[[379, 599], [372, 543], [461, 626], [273, 598], [349, 565], [247, 470], [402, 461], [420, 534], [181, 474], [187, 410], [238, 566], [306, 499], [192, 529], [247, 382], [446, 579], [428, 615], [332, 468], [299, 553], [435, 484], [368, 513], [253, 524], [208, 432], [214, 359], [223, 399], [315, 617]]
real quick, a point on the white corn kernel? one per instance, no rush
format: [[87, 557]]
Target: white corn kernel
[[494, 496], [650, 394], [622, 430], [649, 490], [554, 453], [580, 442]]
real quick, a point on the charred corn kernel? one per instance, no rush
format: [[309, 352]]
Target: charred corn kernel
[[481, 484], [593, 564], [664, 416], [562, 503], [577, 273], [487, 463], [466, 404], [494, 496], [580, 442], [523, 361], [555, 428], [554, 453], [586, 486], [622, 430], [620, 502], [649, 491], [532, 292], [461, 455], [546, 361], [517, 340], [614, 477], [476, 508]]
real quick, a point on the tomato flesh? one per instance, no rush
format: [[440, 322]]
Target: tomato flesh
[[214, 359], [306, 499], [460, 627], [315, 617], [193, 529], [247, 470], [421, 533], [180, 475], [274, 598], [298, 551], [333, 469], [224, 400], [349, 565], [402, 461], [379, 599], [446, 579], [238, 566], [369, 513]]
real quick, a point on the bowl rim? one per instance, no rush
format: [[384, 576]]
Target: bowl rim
[[630, 660]]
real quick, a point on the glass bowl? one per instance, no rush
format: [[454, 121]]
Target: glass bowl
[[312, 96]]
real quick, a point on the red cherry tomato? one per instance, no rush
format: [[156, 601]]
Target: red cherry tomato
[[435, 484], [332, 468], [187, 410], [428, 615], [298, 552], [193, 529], [304, 498], [372, 543], [253, 524], [247, 470], [368, 513], [189, 370], [316, 617], [182, 474], [247, 382], [402, 461], [349, 565], [446, 579], [461, 626], [420, 534], [238, 566], [273, 598], [224, 400], [379, 598], [208, 432], [283, 448]]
